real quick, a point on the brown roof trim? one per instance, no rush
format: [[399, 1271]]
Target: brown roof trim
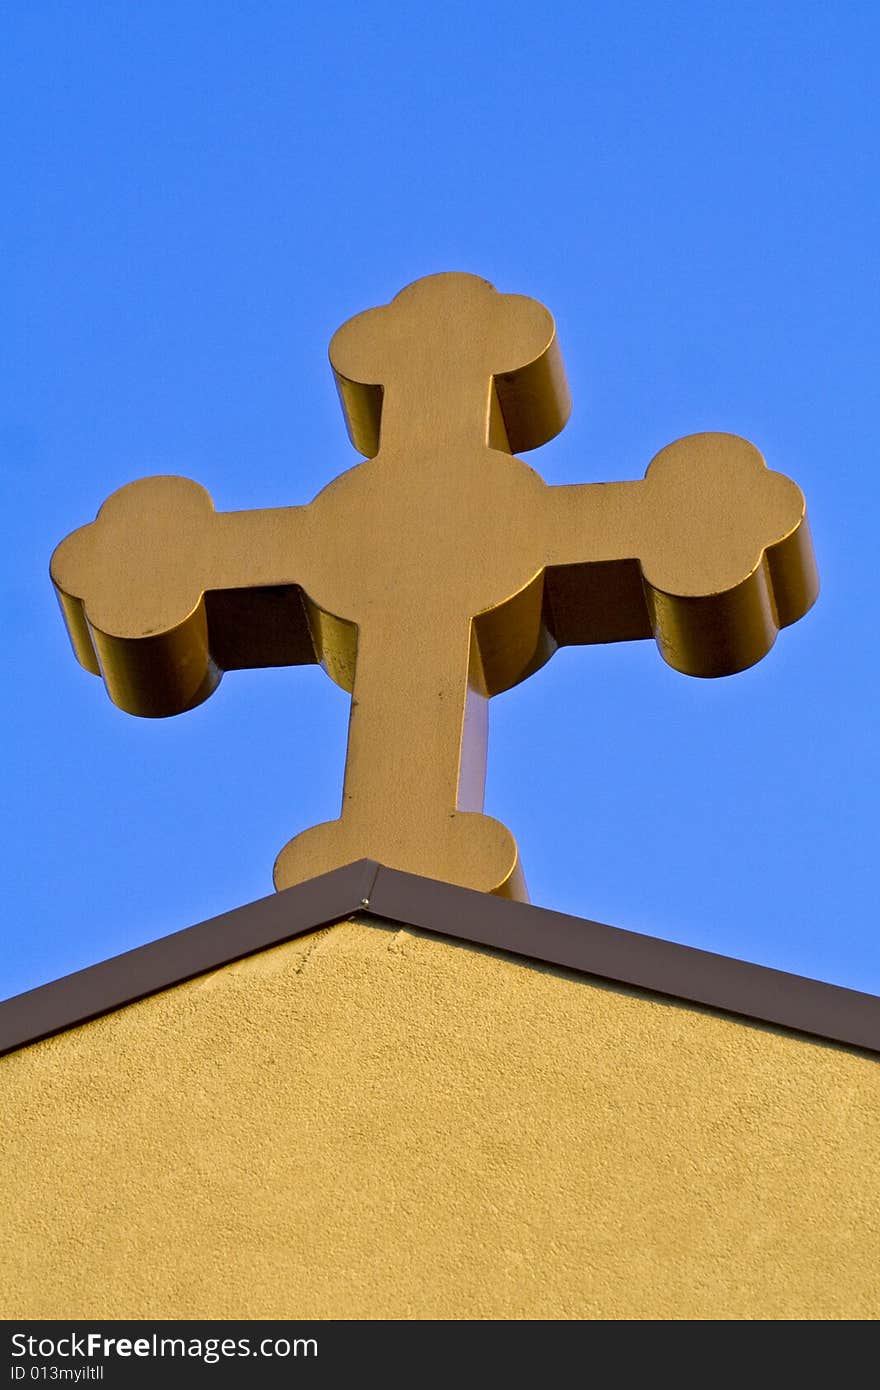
[[629, 958], [194, 951], [608, 953]]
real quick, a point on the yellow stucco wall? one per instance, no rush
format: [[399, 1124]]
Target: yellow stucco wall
[[370, 1123]]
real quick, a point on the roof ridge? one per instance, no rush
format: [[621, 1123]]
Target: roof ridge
[[702, 978]]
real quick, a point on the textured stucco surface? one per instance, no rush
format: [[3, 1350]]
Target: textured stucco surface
[[370, 1123]]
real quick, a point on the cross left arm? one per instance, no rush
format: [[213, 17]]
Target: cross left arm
[[161, 594]]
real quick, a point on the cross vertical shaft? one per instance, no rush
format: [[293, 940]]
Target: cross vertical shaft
[[415, 767]]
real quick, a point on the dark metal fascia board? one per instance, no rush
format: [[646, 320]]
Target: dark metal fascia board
[[738, 987], [701, 978], [146, 970]]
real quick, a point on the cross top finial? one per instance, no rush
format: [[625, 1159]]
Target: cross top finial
[[438, 573], [477, 360]]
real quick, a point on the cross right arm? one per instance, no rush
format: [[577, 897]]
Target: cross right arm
[[710, 553]]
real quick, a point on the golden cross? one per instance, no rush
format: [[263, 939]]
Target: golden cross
[[437, 574]]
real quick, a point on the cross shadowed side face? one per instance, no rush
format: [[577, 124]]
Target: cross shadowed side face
[[438, 573]]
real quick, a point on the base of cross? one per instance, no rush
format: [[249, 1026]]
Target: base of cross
[[473, 850]]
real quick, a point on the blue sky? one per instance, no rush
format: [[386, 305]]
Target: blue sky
[[196, 195]]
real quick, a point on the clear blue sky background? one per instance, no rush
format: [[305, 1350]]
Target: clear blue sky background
[[195, 195]]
